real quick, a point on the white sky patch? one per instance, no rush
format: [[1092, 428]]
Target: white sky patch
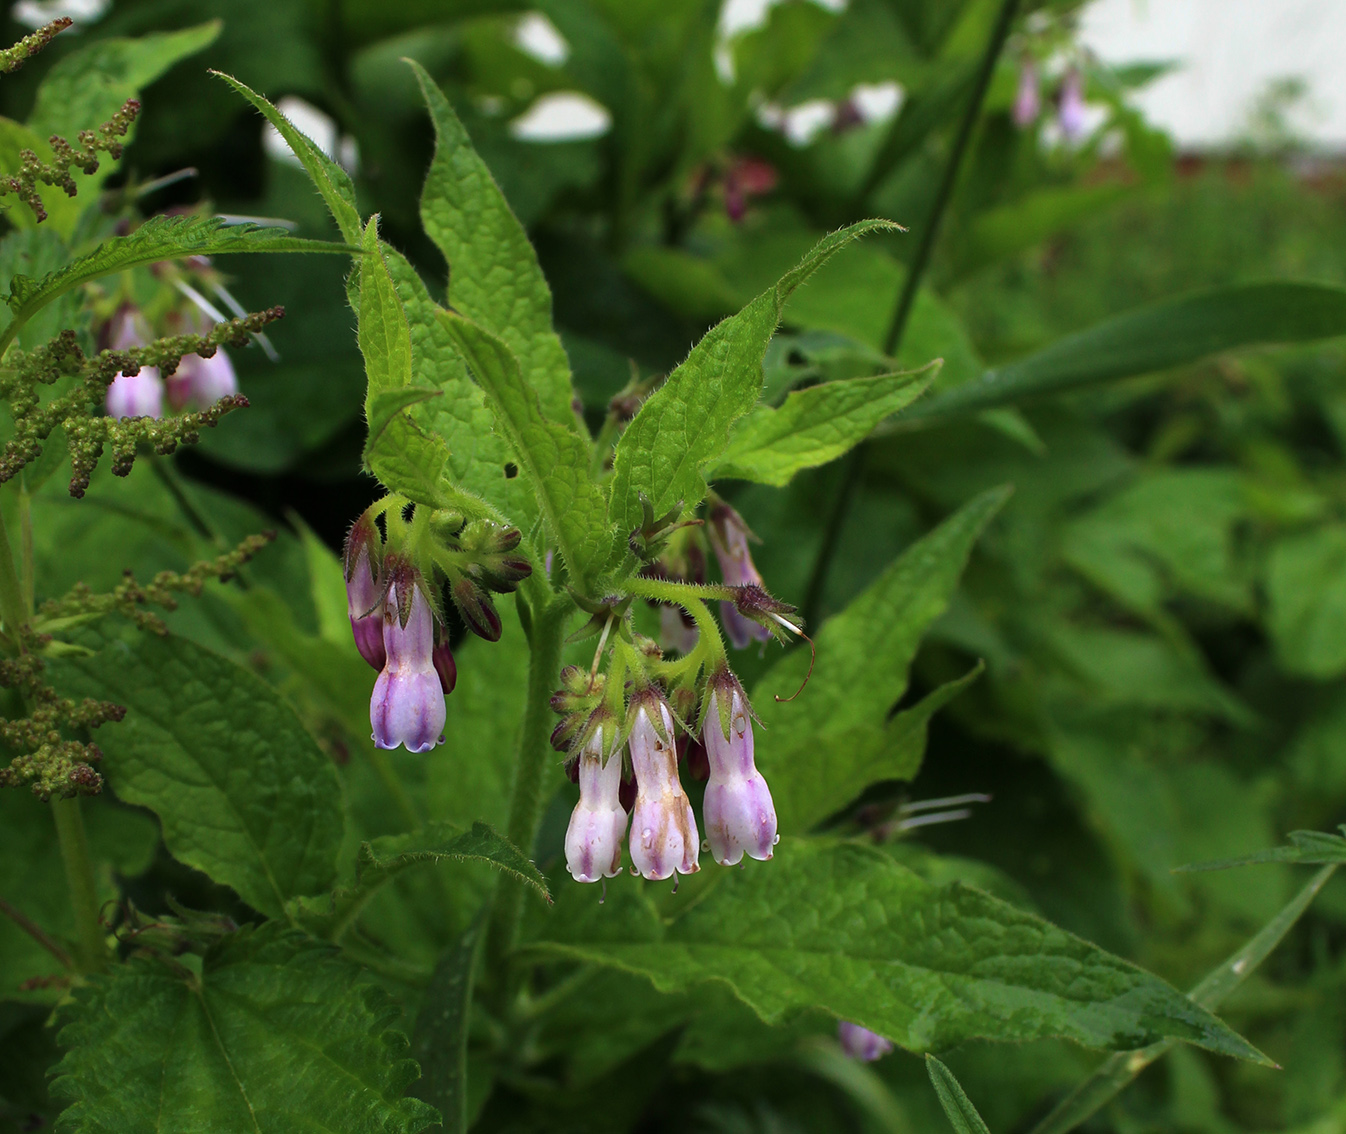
[[563, 116], [800, 124], [877, 102], [537, 36], [321, 128], [36, 13]]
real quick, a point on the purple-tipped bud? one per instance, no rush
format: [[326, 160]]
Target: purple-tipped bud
[[1028, 98], [364, 592], [598, 823], [729, 537], [1071, 114], [740, 815], [136, 395], [198, 383], [475, 605], [445, 666], [663, 829], [860, 1043], [408, 702]]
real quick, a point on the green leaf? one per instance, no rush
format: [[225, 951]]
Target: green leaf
[[159, 238], [963, 1116], [331, 181], [844, 928], [1157, 337], [240, 787], [439, 1041], [684, 426], [494, 277], [1116, 1072], [385, 338], [1306, 585], [275, 1033], [822, 749], [1307, 848], [814, 426], [553, 456]]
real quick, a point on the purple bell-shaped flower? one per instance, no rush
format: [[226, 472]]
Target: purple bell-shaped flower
[[739, 813], [1028, 97], [198, 383], [598, 823], [663, 829], [860, 1043], [408, 702], [1071, 114], [136, 395], [729, 537]]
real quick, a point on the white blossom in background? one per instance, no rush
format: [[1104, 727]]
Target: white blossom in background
[[562, 116], [537, 36], [877, 102], [36, 13], [321, 129]]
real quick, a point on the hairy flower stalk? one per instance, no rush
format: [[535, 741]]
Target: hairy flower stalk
[[739, 813], [663, 830], [408, 703], [860, 1043], [598, 823], [729, 537]]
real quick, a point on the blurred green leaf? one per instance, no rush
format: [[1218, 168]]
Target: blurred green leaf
[[1311, 848], [439, 1041], [963, 1116], [1306, 586]]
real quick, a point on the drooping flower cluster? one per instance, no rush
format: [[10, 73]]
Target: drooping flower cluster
[[396, 614], [860, 1043]]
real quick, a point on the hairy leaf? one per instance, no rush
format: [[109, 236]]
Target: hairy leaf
[[820, 750], [963, 1116], [494, 277], [814, 426], [553, 456], [1307, 848], [844, 928], [685, 425], [275, 1034], [242, 791]]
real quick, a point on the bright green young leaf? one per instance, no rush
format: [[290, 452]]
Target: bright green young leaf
[[276, 1033], [844, 928], [331, 181], [1306, 583], [494, 277], [385, 338], [684, 426], [553, 456], [963, 1116], [439, 1041], [1307, 848], [822, 749], [814, 426], [242, 791], [1163, 335]]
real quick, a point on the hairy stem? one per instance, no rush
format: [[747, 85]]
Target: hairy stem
[[92, 946], [12, 609]]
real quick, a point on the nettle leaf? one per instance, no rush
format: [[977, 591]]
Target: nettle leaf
[[844, 928], [814, 426], [1307, 848], [553, 455], [242, 791], [684, 426], [275, 1034], [962, 1115], [494, 277], [822, 749], [1156, 337], [331, 181]]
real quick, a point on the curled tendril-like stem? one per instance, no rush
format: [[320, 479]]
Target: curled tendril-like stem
[[813, 657]]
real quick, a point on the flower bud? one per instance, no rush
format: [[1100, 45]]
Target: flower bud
[[136, 395], [364, 594], [198, 383], [598, 823], [475, 605], [408, 702], [1071, 114], [663, 830], [739, 813], [1027, 99], [860, 1043], [445, 666], [729, 537]]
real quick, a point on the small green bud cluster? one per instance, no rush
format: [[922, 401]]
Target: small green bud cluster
[[12, 58], [79, 410], [84, 156], [48, 760]]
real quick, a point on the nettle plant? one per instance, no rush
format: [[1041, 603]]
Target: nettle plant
[[443, 881]]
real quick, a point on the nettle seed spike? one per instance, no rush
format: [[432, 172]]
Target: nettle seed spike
[[12, 58]]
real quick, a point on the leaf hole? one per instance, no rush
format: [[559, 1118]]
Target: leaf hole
[[511, 470]]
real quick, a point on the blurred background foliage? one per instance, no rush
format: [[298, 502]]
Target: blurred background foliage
[[1161, 607]]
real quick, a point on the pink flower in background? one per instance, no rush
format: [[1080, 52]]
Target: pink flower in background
[[1028, 97], [860, 1043]]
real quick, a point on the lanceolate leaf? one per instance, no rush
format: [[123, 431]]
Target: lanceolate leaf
[[843, 928], [1307, 848], [684, 426], [494, 277], [822, 749], [439, 1041], [963, 1116], [275, 1034], [553, 456], [814, 426], [242, 791], [1152, 338]]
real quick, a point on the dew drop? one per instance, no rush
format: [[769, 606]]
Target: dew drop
[[647, 838]]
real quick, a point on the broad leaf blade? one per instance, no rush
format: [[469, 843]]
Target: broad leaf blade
[[814, 426], [277, 1033], [243, 792], [439, 1041], [1156, 337], [684, 426], [494, 277], [818, 751], [843, 928], [962, 1115], [553, 456]]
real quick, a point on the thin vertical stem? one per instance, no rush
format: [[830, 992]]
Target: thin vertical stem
[[92, 951], [12, 608], [27, 575]]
